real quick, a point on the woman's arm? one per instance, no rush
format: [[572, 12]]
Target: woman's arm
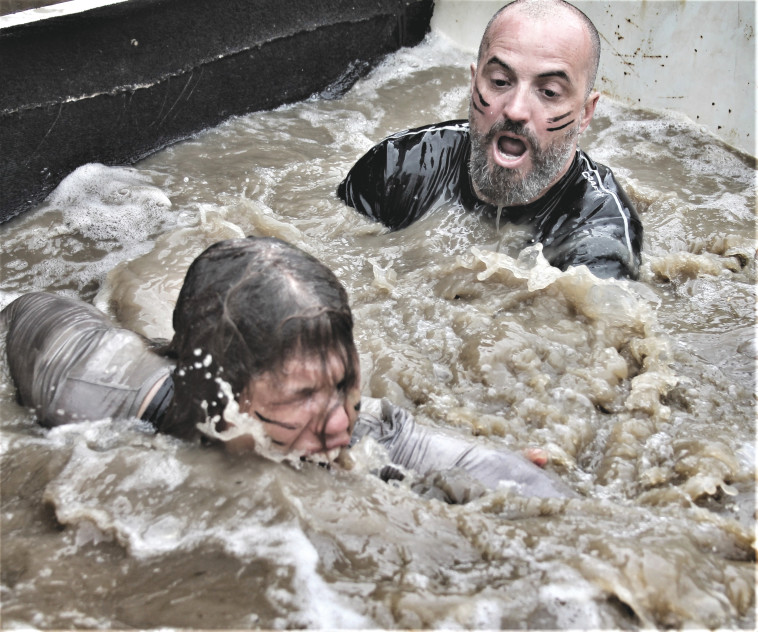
[[424, 450], [71, 364]]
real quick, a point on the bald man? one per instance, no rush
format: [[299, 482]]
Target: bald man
[[517, 156]]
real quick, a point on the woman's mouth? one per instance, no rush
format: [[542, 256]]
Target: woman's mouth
[[323, 458]]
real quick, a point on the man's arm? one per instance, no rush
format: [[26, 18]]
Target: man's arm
[[404, 176], [594, 223], [603, 250]]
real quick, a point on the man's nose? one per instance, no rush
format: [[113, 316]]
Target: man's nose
[[516, 105]]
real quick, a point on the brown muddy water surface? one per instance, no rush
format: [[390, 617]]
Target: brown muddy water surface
[[642, 392]]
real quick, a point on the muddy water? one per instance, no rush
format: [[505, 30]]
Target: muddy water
[[642, 392]]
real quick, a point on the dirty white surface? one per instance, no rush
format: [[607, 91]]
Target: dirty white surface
[[697, 58], [50, 10]]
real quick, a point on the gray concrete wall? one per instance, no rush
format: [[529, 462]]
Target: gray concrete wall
[[118, 82]]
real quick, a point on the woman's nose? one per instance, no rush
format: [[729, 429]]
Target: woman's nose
[[337, 428]]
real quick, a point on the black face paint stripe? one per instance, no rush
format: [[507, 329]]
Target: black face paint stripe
[[476, 107], [273, 422], [555, 129], [558, 118], [481, 98]]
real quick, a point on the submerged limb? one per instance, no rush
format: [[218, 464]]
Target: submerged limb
[[538, 456], [425, 450]]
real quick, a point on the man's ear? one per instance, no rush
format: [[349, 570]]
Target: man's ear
[[588, 110], [473, 78]]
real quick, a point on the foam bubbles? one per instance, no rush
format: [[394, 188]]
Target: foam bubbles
[[110, 203], [95, 218]]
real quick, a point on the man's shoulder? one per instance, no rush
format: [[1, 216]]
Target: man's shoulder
[[443, 129], [589, 168], [599, 183], [592, 221]]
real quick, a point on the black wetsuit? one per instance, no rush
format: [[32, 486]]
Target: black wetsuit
[[71, 364], [585, 218]]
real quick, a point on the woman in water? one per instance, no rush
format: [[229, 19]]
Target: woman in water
[[263, 358]]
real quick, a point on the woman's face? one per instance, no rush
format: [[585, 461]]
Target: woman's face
[[307, 407]]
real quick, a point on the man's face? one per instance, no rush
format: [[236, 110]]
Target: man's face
[[307, 408], [528, 105]]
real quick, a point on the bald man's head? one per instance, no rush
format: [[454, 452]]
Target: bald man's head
[[540, 10]]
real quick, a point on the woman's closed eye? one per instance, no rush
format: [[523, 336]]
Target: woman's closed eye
[[342, 386]]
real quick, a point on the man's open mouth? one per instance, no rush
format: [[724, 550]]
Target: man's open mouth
[[511, 147]]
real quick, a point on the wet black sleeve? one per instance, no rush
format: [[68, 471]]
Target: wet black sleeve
[[595, 225], [404, 176]]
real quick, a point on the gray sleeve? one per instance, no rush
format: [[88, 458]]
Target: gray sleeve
[[70, 363], [425, 450]]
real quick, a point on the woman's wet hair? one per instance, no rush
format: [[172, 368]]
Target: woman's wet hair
[[247, 306]]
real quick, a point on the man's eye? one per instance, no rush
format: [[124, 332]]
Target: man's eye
[[500, 83], [550, 93]]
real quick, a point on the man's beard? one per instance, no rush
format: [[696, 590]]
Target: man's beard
[[507, 187]]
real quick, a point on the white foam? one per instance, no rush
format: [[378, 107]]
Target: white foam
[[239, 424], [110, 203], [573, 604], [96, 218]]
